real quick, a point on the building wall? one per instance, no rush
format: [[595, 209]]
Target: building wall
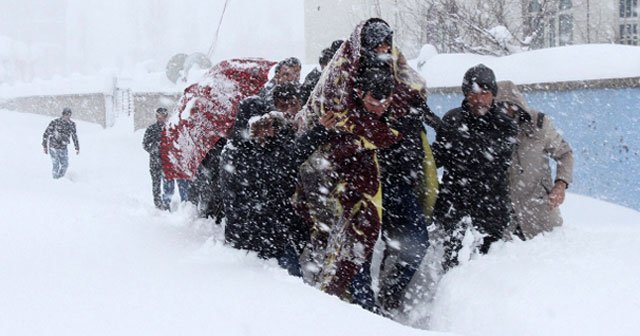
[[628, 22], [95, 108], [86, 107], [594, 21], [602, 18], [326, 21], [329, 20]]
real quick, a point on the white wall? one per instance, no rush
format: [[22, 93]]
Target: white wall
[[329, 20]]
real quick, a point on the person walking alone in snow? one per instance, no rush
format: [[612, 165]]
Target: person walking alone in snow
[[55, 140]]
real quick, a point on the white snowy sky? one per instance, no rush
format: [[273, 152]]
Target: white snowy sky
[[86, 36]]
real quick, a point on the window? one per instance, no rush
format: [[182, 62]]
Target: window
[[565, 29], [534, 6], [536, 27], [628, 8], [629, 34], [566, 4], [552, 32]]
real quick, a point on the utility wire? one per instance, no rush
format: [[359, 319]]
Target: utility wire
[[215, 38]]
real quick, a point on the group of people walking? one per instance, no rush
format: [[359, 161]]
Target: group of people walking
[[314, 175]]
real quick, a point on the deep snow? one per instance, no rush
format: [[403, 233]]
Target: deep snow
[[89, 255]]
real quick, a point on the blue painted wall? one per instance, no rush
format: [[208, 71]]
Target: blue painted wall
[[602, 126]]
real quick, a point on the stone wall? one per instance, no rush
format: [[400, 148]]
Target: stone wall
[[92, 107], [612, 83]]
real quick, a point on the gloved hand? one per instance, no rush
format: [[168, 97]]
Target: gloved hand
[[430, 118]]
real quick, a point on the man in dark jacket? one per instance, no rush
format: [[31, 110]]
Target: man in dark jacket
[[151, 143], [475, 152], [258, 170], [55, 140], [286, 71], [206, 185], [404, 224], [314, 76]]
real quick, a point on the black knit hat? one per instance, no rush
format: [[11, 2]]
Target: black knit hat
[[66, 111], [482, 76], [374, 33], [285, 91], [327, 53], [289, 62]]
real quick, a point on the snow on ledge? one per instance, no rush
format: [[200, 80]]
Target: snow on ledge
[[571, 63]]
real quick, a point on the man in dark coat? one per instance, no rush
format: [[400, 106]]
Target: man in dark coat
[[151, 144], [286, 71], [206, 184], [313, 77], [404, 224], [55, 140], [475, 152], [258, 170]]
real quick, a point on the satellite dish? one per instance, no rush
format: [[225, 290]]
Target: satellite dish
[[175, 67], [179, 65], [197, 58]]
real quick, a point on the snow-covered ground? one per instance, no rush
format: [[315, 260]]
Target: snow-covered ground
[[90, 255]]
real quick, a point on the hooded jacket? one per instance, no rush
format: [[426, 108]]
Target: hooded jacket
[[257, 182], [530, 178]]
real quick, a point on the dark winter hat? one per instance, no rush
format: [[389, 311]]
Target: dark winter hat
[[378, 80], [290, 62], [327, 53], [374, 33], [163, 111], [482, 76], [66, 111], [249, 107], [285, 91]]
